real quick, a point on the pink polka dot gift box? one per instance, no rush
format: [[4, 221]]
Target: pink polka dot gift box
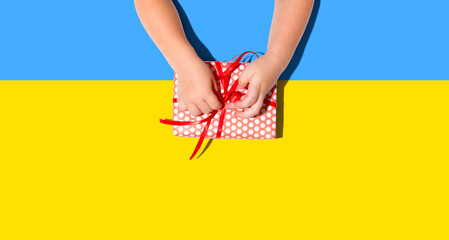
[[222, 123]]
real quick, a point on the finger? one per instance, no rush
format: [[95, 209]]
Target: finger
[[213, 102], [182, 106], [193, 109], [204, 107], [214, 85], [230, 105], [253, 110], [250, 98]]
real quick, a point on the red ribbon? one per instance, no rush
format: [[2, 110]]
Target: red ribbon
[[230, 95]]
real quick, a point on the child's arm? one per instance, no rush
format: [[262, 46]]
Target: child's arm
[[290, 19], [195, 80]]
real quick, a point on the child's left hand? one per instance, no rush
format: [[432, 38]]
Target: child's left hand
[[259, 78]]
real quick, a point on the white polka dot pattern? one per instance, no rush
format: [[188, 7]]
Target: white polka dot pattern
[[262, 126]]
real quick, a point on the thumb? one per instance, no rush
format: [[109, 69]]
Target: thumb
[[244, 79]]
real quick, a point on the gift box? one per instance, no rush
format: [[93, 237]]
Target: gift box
[[222, 123]]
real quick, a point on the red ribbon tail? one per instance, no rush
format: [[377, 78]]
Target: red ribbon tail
[[220, 123], [203, 135], [172, 122]]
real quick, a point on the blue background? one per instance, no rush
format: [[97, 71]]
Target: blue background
[[103, 39]]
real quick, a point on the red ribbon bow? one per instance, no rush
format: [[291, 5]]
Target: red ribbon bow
[[230, 95]]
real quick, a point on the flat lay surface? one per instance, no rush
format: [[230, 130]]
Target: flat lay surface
[[356, 160]]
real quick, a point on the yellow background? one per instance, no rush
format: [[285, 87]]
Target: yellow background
[[357, 160]]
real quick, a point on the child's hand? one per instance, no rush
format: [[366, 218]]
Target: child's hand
[[259, 77], [196, 86]]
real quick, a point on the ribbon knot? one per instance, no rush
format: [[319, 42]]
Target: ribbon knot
[[231, 95], [235, 96]]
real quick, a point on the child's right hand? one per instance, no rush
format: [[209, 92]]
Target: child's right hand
[[197, 88]]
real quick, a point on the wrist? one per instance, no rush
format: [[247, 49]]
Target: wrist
[[188, 64], [182, 58], [279, 62]]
